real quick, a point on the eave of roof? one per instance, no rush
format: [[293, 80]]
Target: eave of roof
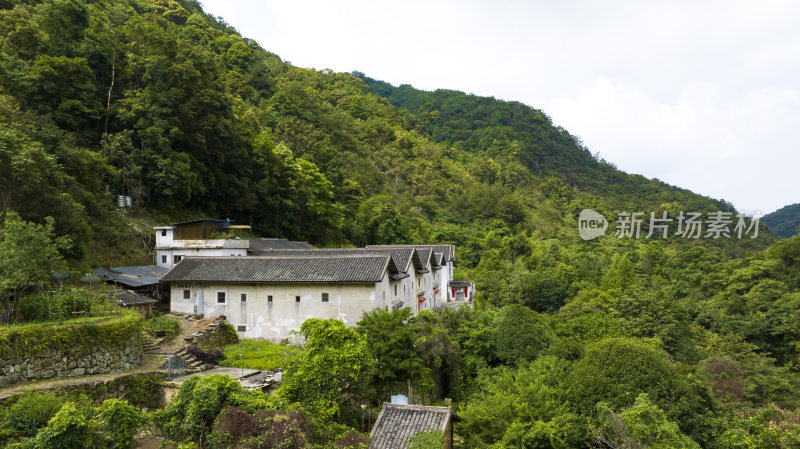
[[283, 269]]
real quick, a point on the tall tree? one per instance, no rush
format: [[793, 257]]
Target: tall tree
[[29, 253]]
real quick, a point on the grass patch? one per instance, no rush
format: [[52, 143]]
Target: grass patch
[[161, 323], [258, 354]]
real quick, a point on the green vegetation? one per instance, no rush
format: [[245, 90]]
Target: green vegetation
[[163, 324], [25, 340], [259, 354], [615, 342], [44, 420], [330, 372], [428, 440], [784, 222]]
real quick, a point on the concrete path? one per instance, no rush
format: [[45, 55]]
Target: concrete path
[[236, 373]]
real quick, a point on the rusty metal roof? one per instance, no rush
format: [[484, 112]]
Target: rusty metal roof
[[397, 423]]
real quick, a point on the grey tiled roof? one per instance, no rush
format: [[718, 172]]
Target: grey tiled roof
[[400, 256], [460, 284], [279, 269], [397, 423], [130, 299], [267, 244], [448, 251], [133, 276]]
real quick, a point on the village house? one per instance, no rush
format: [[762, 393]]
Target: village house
[[432, 280], [270, 296], [398, 423], [209, 237]]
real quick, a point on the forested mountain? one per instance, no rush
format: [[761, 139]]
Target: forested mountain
[[612, 343], [784, 222], [158, 101]]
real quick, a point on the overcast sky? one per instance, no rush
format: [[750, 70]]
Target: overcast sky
[[702, 95]]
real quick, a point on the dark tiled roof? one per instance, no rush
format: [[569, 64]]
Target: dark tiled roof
[[130, 299], [437, 260], [460, 284], [400, 256], [134, 276], [267, 244], [397, 423], [279, 269], [448, 251]]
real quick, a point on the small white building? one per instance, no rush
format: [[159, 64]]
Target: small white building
[[270, 296], [191, 238]]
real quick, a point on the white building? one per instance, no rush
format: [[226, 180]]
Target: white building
[[270, 296], [169, 250]]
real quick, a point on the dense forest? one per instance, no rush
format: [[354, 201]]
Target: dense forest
[[784, 222], [609, 343]]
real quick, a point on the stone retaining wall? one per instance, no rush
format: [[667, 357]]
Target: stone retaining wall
[[49, 363]]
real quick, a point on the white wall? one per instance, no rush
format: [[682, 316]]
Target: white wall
[[170, 253], [284, 314]]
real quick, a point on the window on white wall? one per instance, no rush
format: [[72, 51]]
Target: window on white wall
[[163, 259], [176, 259], [163, 233], [187, 294], [324, 297], [269, 298], [244, 297], [221, 298]]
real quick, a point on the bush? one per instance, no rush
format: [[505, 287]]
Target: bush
[[67, 429], [259, 354], [617, 370], [25, 340], [265, 429], [195, 407], [59, 305], [119, 421], [520, 334], [427, 440], [212, 355], [30, 413], [169, 325], [224, 334]]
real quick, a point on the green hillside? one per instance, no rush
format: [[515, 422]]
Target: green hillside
[[614, 342], [784, 222], [160, 102]]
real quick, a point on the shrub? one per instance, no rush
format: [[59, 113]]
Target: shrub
[[520, 334], [265, 429], [224, 334], [195, 407], [30, 413], [25, 340], [617, 370], [58, 305], [119, 421], [169, 325], [69, 428], [427, 440], [212, 355]]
